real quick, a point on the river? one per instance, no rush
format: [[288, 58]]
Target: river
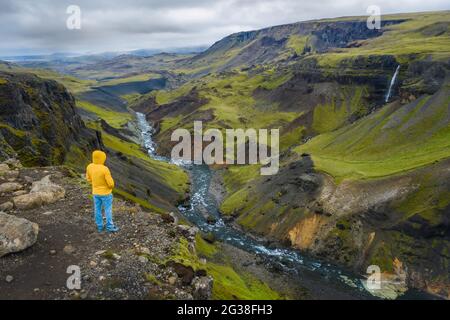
[[202, 203]]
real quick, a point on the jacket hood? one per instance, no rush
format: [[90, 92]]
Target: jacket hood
[[98, 157]]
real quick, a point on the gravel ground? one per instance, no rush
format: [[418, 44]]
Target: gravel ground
[[124, 265]]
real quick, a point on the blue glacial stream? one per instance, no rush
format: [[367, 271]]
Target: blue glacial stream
[[203, 204]]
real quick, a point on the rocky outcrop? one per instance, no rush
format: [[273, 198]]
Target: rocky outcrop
[[267, 45], [42, 192], [38, 120], [10, 187], [16, 234], [202, 288], [388, 222]]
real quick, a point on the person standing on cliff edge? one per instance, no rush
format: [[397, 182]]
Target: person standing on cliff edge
[[102, 185]]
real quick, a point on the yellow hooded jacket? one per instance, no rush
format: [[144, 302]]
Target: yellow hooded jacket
[[98, 175]]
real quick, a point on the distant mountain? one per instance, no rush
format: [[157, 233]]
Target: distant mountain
[[87, 65], [151, 52]]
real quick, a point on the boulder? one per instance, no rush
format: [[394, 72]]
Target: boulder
[[69, 249], [167, 218], [42, 192], [28, 201], [174, 216], [13, 163], [46, 185], [19, 192], [4, 168], [187, 231], [186, 273], [10, 187], [12, 174], [6, 206], [16, 234], [202, 288]]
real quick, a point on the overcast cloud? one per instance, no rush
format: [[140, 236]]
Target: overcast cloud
[[39, 26]]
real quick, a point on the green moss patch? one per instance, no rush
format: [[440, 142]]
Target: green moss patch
[[228, 284], [114, 118], [392, 140]]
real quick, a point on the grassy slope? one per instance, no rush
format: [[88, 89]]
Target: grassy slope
[[371, 157], [231, 100], [231, 97], [170, 175], [392, 140], [229, 283], [395, 140], [114, 118]]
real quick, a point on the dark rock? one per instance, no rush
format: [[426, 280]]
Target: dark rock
[[201, 273], [186, 273], [42, 108], [202, 288], [167, 218]]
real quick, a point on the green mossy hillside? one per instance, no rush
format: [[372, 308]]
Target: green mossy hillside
[[394, 139], [229, 284]]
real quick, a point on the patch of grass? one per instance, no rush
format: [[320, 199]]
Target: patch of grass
[[236, 201], [228, 283], [383, 258], [108, 254], [133, 78], [74, 85], [392, 140], [152, 279], [130, 98], [236, 176], [328, 117], [231, 99], [291, 138], [169, 122], [167, 96], [429, 201], [76, 158], [115, 119], [14, 131], [141, 202], [273, 81], [204, 248], [297, 43]]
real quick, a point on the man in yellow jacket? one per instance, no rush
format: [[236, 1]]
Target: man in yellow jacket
[[102, 185]]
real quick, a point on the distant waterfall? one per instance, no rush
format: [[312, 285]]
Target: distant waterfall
[[394, 77]]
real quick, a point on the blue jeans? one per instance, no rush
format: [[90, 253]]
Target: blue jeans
[[106, 203]]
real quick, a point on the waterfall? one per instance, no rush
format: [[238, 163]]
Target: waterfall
[[394, 77]]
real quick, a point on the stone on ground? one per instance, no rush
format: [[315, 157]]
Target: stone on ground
[[202, 287], [42, 192], [10, 187], [16, 234]]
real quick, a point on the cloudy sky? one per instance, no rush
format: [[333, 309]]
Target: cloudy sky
[[39, 26]]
